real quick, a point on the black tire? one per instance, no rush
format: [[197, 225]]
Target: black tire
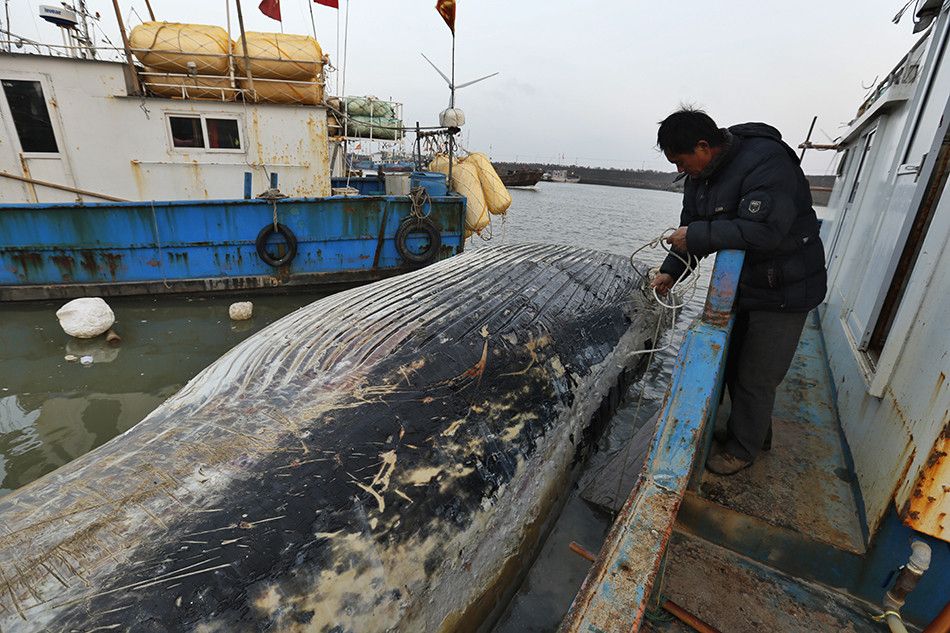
[[413, 225], [261, 245]]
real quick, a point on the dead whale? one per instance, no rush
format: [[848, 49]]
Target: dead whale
[[381, 460]]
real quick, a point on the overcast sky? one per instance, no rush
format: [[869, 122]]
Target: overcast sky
[[579, 82]]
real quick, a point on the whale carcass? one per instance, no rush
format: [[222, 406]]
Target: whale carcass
[[381, 460]]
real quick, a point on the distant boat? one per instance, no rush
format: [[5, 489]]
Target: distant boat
[[561, 175], [520, 177]]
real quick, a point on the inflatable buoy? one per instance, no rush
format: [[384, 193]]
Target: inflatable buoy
[[418, 225], [441, 164], [497, 197], [87, 317], [465, 181], [261, 245]]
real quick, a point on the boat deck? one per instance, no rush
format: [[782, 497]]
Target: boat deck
[[795, 507], [738, 595], [796, 500]]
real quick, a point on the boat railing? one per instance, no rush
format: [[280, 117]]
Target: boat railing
[[615, 595], [233, 85], [906, 71], [13, 43]]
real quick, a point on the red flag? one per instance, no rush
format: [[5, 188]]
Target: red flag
[[270, 8], [446, 9], [329, 3]]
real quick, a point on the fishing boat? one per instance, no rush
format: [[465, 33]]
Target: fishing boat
[[843, 524], [520, 177], [562, 175], [199, 161]]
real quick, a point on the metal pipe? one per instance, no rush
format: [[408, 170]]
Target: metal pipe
[[941, 623], [81, 192], [907, 580], [688, 618], [128, 48], [247, 61], [909, 576]]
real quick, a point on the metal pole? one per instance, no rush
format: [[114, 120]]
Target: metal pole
[[136, 87], [247, 61], [807, 138], [452, 105], [9, 33], [151, 14]]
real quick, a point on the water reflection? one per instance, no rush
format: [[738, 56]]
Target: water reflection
[[61, 397]]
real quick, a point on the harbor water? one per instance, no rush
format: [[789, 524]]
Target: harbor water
[[62, 397]]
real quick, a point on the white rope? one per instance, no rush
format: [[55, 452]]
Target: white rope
[[689, 287], [680, 302]]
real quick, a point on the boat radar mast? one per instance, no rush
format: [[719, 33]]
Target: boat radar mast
[[77, 42]]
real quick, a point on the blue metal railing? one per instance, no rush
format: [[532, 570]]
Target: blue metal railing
[[615, 594]]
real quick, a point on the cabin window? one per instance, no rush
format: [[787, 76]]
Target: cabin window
[[186, 132], [30, 116], [205, 132]]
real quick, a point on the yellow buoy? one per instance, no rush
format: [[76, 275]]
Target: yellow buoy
[[465, 181], [441, 164], [496, 196]]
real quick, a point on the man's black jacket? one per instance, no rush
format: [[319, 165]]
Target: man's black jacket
[[754, 197]]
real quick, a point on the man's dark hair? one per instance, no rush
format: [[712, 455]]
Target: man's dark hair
[[684, 129]]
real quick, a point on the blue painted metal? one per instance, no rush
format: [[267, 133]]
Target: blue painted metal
[[273, 180], [616, 591], [248, 182], [62, 250]]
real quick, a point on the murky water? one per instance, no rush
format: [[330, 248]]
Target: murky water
[[53, 410]]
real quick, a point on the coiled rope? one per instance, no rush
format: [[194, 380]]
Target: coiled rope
[[679, 300]]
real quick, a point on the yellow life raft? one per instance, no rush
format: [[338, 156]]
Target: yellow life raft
[[170, 46]]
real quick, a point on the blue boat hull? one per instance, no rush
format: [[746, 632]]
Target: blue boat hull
[[111, 249]]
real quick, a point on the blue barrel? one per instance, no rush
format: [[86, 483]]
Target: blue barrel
[[432, 181]]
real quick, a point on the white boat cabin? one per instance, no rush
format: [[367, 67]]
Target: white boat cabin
[[885, 318]]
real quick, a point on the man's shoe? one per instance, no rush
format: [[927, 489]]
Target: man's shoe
[[722, 463], [722, 436]]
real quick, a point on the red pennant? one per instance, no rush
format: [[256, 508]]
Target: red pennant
[[446, 9], [270, 8], [329, 3]]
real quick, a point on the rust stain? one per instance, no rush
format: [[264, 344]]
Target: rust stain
[[927, 505]]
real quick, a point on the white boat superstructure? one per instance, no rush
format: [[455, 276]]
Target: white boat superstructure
[[885, 322], [76, 125]]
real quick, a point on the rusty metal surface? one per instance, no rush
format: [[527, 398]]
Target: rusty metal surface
[[60, 251], [737, 595], [382, 459], [614, 596], [926, 509]]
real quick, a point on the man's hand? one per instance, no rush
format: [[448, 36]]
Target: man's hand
[[678, 239], [663, 282]]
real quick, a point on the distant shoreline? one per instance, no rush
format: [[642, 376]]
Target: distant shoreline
[[640, 178]]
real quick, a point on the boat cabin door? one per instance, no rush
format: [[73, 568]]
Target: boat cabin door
[[32, 149]]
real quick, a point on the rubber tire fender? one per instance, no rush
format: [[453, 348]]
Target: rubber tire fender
[[412, 225], [261, 245]]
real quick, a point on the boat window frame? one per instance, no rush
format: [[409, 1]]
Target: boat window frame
[[47, 95], [203, 117]]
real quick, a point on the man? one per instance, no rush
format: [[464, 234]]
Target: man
[[745, 190]]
